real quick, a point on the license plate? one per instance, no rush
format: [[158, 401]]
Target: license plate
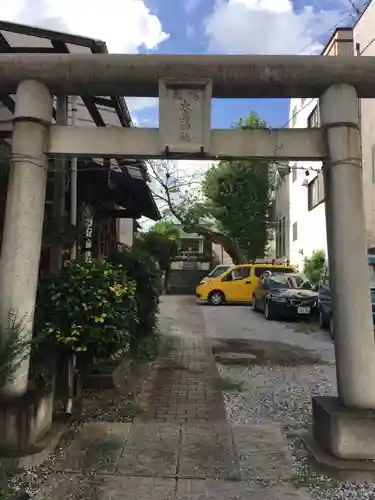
[[303, 310]]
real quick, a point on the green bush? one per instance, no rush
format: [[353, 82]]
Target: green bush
[[91, 308], [13, 348], [314, 266], [142, 268]]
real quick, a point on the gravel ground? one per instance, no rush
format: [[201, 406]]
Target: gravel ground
[[113, 405], [282, 393], [275, 394]]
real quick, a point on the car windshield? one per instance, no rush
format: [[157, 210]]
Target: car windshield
[[299, 281], [218, 271], [290, 281], [278, 281]]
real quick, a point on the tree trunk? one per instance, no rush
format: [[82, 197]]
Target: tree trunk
[[229, 245]]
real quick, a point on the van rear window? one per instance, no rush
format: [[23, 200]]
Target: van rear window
[[218, 271], [258, 271]]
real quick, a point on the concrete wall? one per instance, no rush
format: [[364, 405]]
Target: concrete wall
[[125, 231], [364, 32], [184, 282]]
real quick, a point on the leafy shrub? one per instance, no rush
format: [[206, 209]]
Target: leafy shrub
[[142, 268], [162, 247], [13, 348], [91, 308], [314, 266]]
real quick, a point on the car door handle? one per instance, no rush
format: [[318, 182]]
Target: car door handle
[[248, 282]]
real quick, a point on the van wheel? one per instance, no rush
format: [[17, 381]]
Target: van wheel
[[216, 298], [254, 304]]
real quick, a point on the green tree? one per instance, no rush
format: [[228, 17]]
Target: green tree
[[167, 229], [238, 194], [161, 241], [314, 266], [229, 206]]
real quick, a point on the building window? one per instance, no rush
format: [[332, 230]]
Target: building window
[[294, 173], [190, 246], [295, 231], [313, 121], [281, 238], [315, 192]]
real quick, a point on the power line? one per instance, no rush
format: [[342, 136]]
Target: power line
[[336, 25], [367, 46], [355, 8]]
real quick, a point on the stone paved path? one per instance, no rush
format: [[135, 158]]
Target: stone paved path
[[181, 446]]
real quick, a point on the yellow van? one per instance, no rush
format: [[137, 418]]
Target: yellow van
[[237, 284]]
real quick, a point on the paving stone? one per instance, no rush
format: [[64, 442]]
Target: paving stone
[[69, 487], [80, 487], [262, 452], [207, 452], [96, 447], [151, 450], [219, 490], [130, 488]]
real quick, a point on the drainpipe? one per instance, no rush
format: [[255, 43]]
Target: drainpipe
[[73, 255], [73, 182]]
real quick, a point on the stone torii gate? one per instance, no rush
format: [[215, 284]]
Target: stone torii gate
[[185, 86]]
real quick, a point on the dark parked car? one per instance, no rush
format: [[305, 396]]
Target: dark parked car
[[325, 300], [285, 296]]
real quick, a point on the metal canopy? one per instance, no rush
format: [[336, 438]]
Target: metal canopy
[[232, 76], [111, 111], [99, 185], [21, 39]]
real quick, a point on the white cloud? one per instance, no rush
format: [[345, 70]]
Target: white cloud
[[191, 5], [193, 168], [137, 103], [267, 27], [125, 25], [190, 31]]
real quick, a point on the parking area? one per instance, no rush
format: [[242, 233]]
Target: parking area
[[240, 322]]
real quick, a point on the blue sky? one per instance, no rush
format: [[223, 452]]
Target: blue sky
[[197, 27], [187, 36], [186, 23]]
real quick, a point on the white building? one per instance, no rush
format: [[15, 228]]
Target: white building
[[307, 228], [301, 219], [364, 45]]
